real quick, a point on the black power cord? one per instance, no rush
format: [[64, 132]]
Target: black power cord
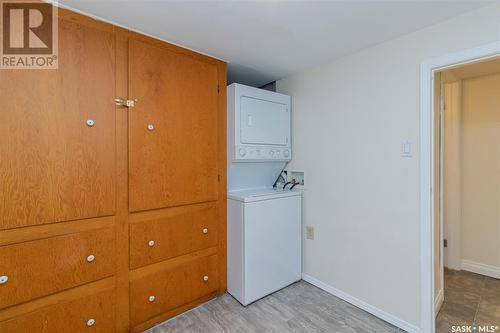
[[280, 176]]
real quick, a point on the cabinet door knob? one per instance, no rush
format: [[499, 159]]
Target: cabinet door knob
[[151, 243], [90, 258], [151, 127], [205, 278], [151, 298], [4, 279], [90, 322], [205, 230]]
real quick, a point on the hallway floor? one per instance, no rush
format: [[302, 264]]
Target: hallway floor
[[300, 307], [468, 298]]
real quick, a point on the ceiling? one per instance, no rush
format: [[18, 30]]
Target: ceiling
[[267, 40]]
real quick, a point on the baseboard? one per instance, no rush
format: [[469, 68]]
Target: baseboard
[[482, 269], [362, 305], [438, 301]]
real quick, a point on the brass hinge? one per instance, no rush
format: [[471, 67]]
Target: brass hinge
[[129, 103]]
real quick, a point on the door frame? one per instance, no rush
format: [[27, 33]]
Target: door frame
[[427, 70], [439, 296], [452, 230]]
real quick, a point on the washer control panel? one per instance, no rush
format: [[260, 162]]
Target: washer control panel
[[246, 153]]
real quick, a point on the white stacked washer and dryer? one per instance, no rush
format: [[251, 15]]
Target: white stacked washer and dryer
[[263, 224]]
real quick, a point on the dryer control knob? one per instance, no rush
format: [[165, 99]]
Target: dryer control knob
[[242, 152], [271, 152], [286, 153]]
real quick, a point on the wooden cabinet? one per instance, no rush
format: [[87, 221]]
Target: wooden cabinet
[[92, 313], [164, 290], [173, 129], [42, 267], [86, 185], [54, 167], [177, 232]]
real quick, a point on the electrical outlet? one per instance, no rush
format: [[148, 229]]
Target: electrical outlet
[[309, 232]]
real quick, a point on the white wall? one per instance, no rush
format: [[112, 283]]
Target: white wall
[[349, 119], [480, 176]]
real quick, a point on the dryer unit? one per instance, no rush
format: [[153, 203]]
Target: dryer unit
[[258, 136], [259, 125]]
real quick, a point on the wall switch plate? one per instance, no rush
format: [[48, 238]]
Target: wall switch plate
[[297, 176], [309, 232], [407, 149]]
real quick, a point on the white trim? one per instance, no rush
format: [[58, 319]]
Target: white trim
[[438, 302], [362, 305], [441, 192], [453, 138], [102, 19], [483, 269], [427, 69]]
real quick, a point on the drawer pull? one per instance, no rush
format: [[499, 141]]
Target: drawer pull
[[151, 243], [90, 322], [90, 258], [205, 278], [151, 298], [4, 279], [205, 230]]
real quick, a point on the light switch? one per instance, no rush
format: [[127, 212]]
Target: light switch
[[407, 149]]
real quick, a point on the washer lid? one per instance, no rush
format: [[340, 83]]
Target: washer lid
[[261, 194]]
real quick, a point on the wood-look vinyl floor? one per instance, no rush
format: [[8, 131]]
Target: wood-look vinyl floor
[[468, 299], [300, 307]]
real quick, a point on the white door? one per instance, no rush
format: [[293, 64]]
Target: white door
[[264, 122]]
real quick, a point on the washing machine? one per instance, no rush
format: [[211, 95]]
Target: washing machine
[[263, 224], [263, 243]]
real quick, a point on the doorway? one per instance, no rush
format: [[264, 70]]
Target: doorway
[[467, 205]]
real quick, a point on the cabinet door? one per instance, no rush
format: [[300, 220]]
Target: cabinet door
[[55, 167], [172, 129]]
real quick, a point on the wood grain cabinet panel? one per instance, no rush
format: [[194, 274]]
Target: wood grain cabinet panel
[[54, 167], [174, 161], [86, 185], [94, 313], [43, 267], [162, 291], [181, 231]]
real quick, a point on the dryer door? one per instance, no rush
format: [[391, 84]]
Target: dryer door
[[264, 122]]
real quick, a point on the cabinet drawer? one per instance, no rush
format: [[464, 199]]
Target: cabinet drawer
[[94, 313], [165, 290], [183, 231], [42, 267]]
